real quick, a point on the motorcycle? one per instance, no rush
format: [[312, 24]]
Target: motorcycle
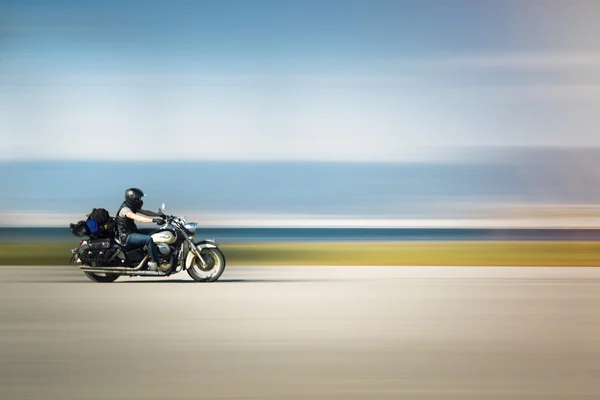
[[106, 259]]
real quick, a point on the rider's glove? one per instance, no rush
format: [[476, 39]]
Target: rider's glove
[[158, 221]]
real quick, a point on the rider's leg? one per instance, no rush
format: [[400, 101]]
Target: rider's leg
[[139, 239]]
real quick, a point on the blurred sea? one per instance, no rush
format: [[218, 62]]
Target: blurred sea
[[225, 235], [400, 190]]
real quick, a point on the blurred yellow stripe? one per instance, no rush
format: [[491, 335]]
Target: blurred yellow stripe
[[358, 253]]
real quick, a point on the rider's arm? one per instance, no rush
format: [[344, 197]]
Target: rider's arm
[[138, 217], [149, 213]]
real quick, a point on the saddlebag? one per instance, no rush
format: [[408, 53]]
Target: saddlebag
[[99, 250]]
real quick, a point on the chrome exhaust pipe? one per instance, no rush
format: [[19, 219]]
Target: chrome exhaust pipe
[[126, 271], [142, 263], [149, 273], [116, 269]]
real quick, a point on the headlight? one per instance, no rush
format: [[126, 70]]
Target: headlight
[[190, 227]]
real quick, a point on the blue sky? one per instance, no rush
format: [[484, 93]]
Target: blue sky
[[303, 80], [267, 36], [257, 32]]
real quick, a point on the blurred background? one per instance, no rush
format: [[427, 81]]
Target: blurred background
[[325, 133], [330, 114]]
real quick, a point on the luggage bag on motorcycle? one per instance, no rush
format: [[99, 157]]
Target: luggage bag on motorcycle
[[99, 250], [79, 229], [98, 225]]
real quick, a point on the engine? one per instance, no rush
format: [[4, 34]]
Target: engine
[[164, 249]]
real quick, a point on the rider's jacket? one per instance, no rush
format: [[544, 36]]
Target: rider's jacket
[[125, 225]]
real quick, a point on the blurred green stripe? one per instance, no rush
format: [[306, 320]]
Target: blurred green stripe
[[358, 253]]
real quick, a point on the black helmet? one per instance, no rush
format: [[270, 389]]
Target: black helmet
[[133, 198]]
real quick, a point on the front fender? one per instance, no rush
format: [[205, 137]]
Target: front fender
[[203, 244]]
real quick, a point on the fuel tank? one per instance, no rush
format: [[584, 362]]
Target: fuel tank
[[164, 236]]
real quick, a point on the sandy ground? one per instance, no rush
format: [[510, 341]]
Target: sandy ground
[[303, 333]]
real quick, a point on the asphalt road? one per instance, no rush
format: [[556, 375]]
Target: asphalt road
[[303, 333]]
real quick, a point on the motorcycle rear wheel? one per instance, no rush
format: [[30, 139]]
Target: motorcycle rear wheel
[[101, 278]]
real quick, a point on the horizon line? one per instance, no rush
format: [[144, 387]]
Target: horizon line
[[31, 220]]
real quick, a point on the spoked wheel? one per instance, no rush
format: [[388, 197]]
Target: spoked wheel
[[100, 277], [215, 265]]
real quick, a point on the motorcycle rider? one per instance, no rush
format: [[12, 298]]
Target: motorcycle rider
[[131, 211]]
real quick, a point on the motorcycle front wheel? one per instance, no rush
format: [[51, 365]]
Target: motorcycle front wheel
[[215, 265]]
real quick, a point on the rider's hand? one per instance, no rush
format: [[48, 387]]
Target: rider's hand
[[158, 221]]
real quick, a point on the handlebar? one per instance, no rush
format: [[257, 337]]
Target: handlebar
[[164, 218], [168, 218]]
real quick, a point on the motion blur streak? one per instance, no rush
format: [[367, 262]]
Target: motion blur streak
[[299, 333], [263, 114], [463, 110]]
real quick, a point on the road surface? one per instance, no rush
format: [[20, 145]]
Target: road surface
[[303, 333]]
